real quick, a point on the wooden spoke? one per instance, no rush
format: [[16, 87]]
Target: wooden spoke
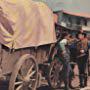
[[18, 83], [31, 74], [30, 69], [19, 87]]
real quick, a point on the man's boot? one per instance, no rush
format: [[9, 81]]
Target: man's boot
[[66, 82], [81, 81], [85, 80], [66, 86]]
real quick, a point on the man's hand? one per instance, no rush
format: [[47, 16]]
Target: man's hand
[[63, 52], [82, 51]]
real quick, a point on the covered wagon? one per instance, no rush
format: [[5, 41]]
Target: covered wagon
[[26, 33]]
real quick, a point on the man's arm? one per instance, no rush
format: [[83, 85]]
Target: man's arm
[[62, 46]]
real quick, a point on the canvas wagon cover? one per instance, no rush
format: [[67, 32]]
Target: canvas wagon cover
[[25, 23]]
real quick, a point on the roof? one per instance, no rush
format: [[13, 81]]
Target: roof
[[74, 7]]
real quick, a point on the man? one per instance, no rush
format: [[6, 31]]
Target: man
[[82, 56], [66, 58]]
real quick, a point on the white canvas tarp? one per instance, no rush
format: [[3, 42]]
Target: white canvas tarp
[[32, 24]]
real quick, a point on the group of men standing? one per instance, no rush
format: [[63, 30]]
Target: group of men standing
[[80, 51]]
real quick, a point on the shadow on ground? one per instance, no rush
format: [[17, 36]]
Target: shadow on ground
[[44, 87], [3, 85]]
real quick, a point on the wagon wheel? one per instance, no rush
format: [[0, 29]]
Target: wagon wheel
[[25, 74], [55, 73]]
